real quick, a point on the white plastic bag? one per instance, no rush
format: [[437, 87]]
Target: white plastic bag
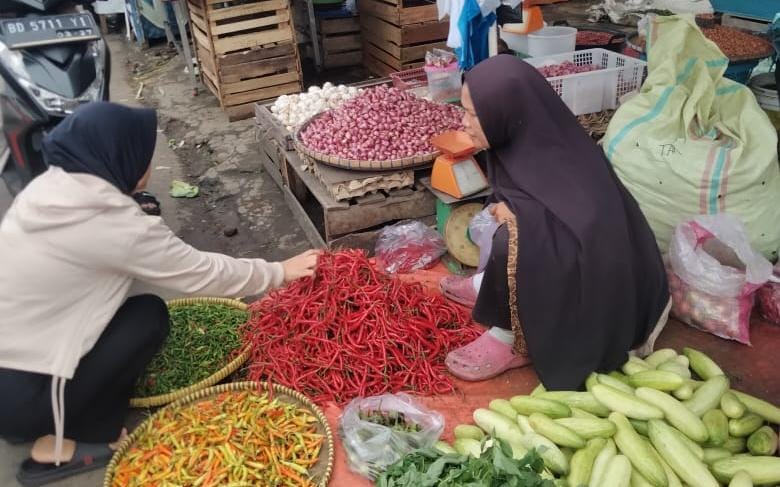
[[372, 447], [481, 230], [715, 274]]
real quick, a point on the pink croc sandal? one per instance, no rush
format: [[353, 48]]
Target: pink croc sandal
[[484, 358], [459, 289]]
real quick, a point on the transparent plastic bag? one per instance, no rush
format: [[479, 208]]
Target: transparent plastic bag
[[715, 274], [372, 447], [481, 230], [443, 74], [407, 246], [769, 298]]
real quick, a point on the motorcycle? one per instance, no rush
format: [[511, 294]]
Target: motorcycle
[[52, 59]]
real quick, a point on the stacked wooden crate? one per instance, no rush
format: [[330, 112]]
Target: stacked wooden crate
[[340, 41], [247, 51], [398, 33]]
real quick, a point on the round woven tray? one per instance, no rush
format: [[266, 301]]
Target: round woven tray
[[323, 469], [386, 165], [215, 378]]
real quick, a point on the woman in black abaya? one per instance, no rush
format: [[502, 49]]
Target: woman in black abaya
[[575, 279]]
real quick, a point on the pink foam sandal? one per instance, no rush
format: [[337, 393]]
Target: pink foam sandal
[[459, 289], [484, 358]]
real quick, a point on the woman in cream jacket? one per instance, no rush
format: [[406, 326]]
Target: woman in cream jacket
[[72, 343]]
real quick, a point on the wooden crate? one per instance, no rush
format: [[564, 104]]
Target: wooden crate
[[247, 51], [341, 43], [326, 221], [397, 34]]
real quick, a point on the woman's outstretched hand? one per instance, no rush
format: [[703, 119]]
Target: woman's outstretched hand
[[302, 265], [501, 212]]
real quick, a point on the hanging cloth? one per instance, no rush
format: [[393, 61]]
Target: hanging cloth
[[474, 28]]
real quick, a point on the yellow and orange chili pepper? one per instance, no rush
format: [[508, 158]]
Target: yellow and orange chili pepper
[[237, 438]]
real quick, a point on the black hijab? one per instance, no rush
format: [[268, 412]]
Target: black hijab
[[590, 280], [113, 142]]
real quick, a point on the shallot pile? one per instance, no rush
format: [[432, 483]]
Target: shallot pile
[[593, 38], [381, 124], [293, 110], [564, 68]]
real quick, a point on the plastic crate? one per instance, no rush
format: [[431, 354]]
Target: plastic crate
[[410, 79], [595, 91]]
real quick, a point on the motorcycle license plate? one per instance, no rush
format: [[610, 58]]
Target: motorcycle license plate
[[54, 29]]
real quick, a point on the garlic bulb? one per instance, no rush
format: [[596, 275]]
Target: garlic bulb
[[294, 110]]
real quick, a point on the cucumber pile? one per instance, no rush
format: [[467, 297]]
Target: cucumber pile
[[668, 420]]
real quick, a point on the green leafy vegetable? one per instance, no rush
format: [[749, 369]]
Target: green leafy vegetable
[[494, 468]]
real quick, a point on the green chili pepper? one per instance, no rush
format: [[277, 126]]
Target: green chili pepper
[[202, 340]]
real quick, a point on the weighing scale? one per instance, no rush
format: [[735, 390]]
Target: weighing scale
[[456, 234], [456, 172], [453, 216]]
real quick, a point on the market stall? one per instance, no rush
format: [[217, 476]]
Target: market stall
[[329, 359], [215, 422]]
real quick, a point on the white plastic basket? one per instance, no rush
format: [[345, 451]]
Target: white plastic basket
[[595, 91], [543, 42]]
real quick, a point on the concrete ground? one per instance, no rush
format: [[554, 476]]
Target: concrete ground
[[195, 144]]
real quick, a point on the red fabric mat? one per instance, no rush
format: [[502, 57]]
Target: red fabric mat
[[752, 369]]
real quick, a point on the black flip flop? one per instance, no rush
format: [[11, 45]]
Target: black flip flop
[[149, 204], [87, 457]]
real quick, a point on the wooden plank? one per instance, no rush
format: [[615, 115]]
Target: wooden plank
[[256, 39], [256, 54], [199, 22], [312, 233], [280, 18], [384, 57], [376, 40], [376, 66], [417, 53], [404, 54], [211, 85], [239, 72], [271, 128], [375, 8], [397, 15], [340, 26], [360, 217], [380, 29], [261, 94], [239, 112], [270, 165], [196, 8], [257, 83], [202, 39], [343, 59], [342, 43], [216, 14], [417, 15], [386, 35], [206, 60], [427, 32]]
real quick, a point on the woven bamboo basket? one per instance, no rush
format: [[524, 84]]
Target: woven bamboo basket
[[215, 378], [323, 469], [357, 165]]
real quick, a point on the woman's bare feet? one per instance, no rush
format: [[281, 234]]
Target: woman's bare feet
[[43, 448], [122, 437]]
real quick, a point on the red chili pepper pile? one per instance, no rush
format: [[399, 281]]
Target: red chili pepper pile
[[352, 331]]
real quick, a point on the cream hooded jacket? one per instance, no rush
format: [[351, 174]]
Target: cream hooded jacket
[[71, 245]]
